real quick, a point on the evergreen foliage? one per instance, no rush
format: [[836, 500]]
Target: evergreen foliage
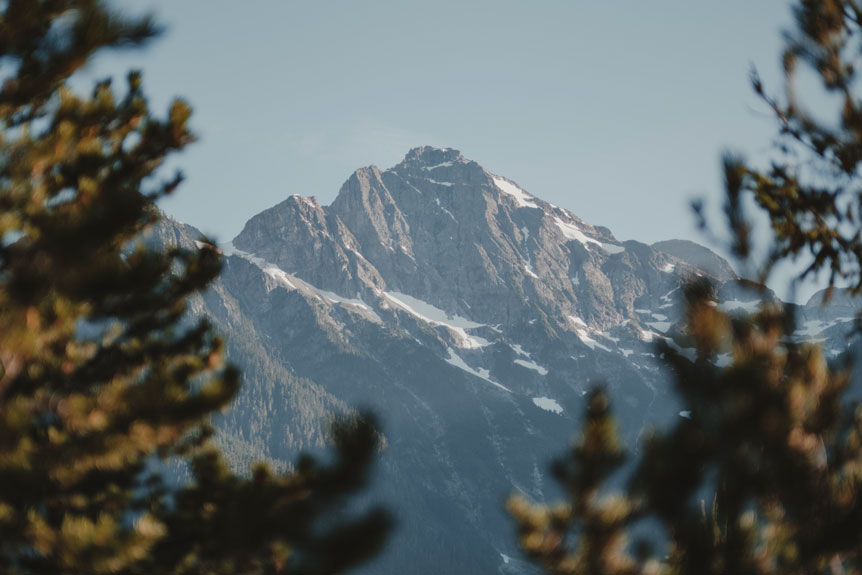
[[810, 192], [104, 378], [765, 476]]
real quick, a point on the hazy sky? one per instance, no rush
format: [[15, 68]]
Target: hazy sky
[[617, 110]]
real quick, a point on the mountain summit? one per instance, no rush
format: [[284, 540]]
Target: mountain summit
[[472, 316], [442, 229]]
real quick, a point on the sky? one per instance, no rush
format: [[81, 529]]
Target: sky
[[616, 110]]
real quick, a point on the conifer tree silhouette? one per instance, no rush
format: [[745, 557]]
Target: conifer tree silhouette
[[765, 477], [104, 376]]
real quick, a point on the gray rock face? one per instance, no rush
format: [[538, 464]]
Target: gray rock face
[[442, 229], [472, 316], [699, 257]]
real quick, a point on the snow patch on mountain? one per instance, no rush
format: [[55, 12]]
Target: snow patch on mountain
[[428, 312], [572, 232], [279, 274], [583, 333], [455, 360], [548, 404], [648, 336], [435, 316], [528, 267], [519, 350], [661, 324], [439, 205], [447, 184], [532, 365], [440, 165], [268, 268], [356, 302], [522, 198]]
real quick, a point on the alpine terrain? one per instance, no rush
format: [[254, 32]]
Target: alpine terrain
[[471, 317]]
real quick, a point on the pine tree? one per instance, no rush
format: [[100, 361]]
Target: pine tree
[[104, 379], [765, 477]]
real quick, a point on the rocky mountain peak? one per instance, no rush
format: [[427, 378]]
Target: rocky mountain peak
[[439, 228], [474, 316], [442, 168], [429, 157]]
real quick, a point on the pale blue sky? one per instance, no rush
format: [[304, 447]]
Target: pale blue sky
[[617, 110]]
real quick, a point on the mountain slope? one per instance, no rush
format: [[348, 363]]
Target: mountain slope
[[471, 315]]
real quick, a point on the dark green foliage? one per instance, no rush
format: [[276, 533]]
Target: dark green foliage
[[765, 475], [104, 378]]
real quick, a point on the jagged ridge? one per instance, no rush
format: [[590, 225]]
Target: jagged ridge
[[472, 316]]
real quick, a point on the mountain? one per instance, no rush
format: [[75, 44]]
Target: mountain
[[472, 317]]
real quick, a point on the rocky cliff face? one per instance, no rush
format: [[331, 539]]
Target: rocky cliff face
[[472, 316], [440, 229]]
